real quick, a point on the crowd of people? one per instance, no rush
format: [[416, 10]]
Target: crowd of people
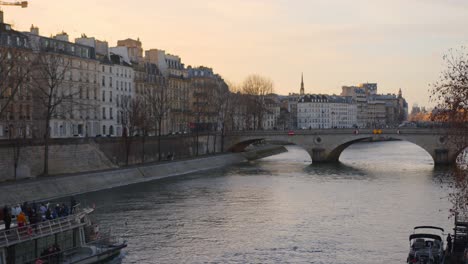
[[34, 213]]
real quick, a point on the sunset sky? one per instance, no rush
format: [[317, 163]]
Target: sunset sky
[[398, 43]]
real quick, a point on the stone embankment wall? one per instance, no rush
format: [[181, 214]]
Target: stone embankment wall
[[61, 186], [93, 154]]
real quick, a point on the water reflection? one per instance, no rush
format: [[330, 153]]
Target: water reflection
[[283, 209]]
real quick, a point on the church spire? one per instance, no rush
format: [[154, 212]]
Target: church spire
[[302, 84]]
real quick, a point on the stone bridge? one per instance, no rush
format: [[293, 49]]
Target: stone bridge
[[326, 145]]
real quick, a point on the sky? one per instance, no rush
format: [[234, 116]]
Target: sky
[[397, 44]]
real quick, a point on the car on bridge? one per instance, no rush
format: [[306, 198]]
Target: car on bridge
[[291, 133]]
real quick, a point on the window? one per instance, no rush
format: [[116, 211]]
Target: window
[[103, 130], [110, 81], [103, 113], [110, 96], [103, 96], [111, 114]]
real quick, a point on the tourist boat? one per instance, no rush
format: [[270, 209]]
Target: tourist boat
[[427, 247], [74, 239]]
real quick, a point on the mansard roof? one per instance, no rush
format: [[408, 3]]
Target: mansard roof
[[322, 98]]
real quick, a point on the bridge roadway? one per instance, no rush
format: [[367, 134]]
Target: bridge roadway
[[326, 145]]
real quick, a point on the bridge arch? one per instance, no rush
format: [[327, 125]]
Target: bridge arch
[[241, 146], [327, 145]]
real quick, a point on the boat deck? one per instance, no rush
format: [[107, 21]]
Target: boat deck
[[20, 234]]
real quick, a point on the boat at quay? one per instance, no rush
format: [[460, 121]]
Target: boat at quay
[[74, 239]]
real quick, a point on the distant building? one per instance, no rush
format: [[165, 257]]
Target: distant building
[[205, 100], [179, 87], [134, 47], [325, 111], [272, 113], [359, 95], [376, 110], [15, 51], [370, 88], [302, 91], [101, 47], [80, 117], [117, 90]]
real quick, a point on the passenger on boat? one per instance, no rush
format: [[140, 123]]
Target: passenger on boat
[[48, 214], [15, 211], [43, 210], [21, 220], [73, 203], [65, 211], [6, 217]]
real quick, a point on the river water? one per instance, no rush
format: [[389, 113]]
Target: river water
[[283, 210]]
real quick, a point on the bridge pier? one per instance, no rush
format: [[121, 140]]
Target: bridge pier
[[321, 155], [318, 155], [443, 157]]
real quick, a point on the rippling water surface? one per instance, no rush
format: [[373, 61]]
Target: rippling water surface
[[283, 210]]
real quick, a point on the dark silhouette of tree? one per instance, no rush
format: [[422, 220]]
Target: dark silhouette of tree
[[15, 98], [257, 88], [52, 97], [133, 117], [15, 73], [450, 93], [159, 104]]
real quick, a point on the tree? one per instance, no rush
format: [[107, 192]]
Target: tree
[[15, 70], [257, 88], [133, 116], [52, 96], [15, 99], [450, 93], [18, 143], [158, 101], [222, 108]]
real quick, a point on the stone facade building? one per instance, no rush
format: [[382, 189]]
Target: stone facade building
[[205, 100], [117, 88], [179, 88], [16, 104], [78, 115], [324, 111]]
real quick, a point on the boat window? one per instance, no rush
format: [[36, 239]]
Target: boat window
[[24, 252], [2, 257], [44, 243], [429, 243], [65, 240], [418, 244]]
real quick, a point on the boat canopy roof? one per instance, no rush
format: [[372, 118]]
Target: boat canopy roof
[[431, 236], [429, 227]]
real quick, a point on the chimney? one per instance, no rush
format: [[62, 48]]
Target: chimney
[[34, 30], [62, 36]]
